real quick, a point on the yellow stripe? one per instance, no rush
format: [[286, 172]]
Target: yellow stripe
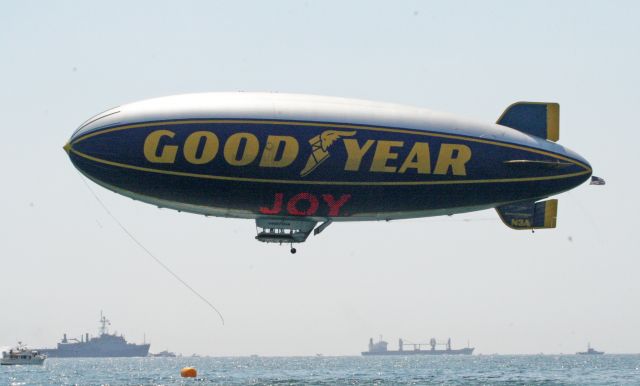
[[553, 122], [550, 213], [356, 183], [428, 134]]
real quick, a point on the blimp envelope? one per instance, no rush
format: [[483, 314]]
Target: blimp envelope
[[291, 161]]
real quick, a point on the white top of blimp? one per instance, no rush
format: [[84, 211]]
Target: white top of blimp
[[298, 107]]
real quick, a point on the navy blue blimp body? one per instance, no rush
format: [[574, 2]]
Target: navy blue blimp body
[[298, 160]]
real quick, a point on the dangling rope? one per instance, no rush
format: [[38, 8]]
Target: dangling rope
[[149, 252]]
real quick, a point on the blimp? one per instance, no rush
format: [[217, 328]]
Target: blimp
[[297, 163]]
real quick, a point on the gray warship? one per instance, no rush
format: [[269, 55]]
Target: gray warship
[[380, 348], [590, 351], [105, 345]]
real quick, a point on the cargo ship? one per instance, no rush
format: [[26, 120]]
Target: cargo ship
[[105, 345], [380, 348]]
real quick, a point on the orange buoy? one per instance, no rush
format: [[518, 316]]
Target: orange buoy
[[188, 372]]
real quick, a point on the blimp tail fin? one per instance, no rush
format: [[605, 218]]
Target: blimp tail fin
[[541, 119], [529, 215]]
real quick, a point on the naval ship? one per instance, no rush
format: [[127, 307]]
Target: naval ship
[[105, 345], [380, 348], [590, 351]]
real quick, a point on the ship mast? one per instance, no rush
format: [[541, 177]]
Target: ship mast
[[104, 322]]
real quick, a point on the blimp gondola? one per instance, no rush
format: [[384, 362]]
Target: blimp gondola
[[291, 162]]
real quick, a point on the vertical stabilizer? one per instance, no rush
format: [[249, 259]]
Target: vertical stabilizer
[[541, 119], [529, 215]]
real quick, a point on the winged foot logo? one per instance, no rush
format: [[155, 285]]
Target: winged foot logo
[[319, 148]]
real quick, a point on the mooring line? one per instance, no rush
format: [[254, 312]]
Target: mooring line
[[157, 260]]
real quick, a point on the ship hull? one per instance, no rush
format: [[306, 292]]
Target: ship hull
[[462, 351], [141, 350], [21, 362]]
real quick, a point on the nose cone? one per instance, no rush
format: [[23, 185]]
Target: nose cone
[[74, 156], [71, 149], [75, 147]]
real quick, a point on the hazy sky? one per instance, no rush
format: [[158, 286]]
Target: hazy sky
[[63, 259]]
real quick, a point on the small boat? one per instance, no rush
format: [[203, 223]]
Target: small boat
[[22, 356], [164, 354], [590, 351]]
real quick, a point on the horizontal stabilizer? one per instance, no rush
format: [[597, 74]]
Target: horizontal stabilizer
[[536, 118], [529, 215]]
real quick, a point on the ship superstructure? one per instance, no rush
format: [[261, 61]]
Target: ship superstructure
[[380, 348], [104, 345]]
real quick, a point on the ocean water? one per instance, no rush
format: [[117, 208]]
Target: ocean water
[[406, 370]]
